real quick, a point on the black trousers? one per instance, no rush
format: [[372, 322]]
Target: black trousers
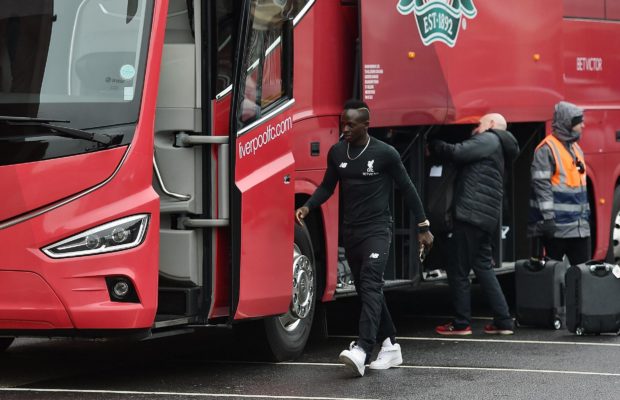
[[367, 249], [576, 249], [471, 249]]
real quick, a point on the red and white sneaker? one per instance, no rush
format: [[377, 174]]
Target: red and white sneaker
[[494, 330], [451, 330]]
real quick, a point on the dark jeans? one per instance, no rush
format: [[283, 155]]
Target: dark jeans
[[576, 249], [367, 249], [471, 249]]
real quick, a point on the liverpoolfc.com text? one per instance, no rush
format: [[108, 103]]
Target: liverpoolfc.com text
[[271, 133]]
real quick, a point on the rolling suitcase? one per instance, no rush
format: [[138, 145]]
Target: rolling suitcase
[[539, 292], [593, 298]]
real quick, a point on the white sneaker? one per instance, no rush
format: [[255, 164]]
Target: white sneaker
[[389, 356], [354, 358]]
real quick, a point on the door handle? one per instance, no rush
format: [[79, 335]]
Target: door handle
[[287, 179]]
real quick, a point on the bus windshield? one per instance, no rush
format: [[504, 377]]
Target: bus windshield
[[75, 60]]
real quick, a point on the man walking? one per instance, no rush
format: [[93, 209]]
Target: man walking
[[365, 168], [559, 208], [477, 209]]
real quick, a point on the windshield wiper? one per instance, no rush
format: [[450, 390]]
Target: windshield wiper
[[29, 119], [101, 138]]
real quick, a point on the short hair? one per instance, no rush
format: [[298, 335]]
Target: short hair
[[358, 105]]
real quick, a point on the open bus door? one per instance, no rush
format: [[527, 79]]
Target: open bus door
[[262, 189]]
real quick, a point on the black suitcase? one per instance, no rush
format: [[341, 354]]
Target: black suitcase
[[592, 298], [539, 292]]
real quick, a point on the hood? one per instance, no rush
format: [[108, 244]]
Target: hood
[[510, 145], [562, 117]]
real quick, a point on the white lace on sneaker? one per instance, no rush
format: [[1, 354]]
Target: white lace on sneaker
[[354, 358], [389, 356]]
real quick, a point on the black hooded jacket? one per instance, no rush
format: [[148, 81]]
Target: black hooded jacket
[[480, 185]]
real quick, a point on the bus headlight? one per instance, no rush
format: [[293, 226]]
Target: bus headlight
[[117, 235]]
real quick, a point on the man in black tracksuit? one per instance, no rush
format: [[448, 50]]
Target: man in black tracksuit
[[365, 168], [477, 207]]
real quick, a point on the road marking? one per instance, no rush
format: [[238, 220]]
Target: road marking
[[431, 367], [536, 371], [462, 339], [184, 394]]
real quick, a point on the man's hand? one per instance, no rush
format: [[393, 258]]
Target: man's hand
[[300, 214], [548, 228], [434, 147], [426, 240]]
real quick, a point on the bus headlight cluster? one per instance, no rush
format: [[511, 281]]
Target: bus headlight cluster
[[117, 235]]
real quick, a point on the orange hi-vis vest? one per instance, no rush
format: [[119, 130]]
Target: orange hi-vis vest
[[568, 184], [566, 172]]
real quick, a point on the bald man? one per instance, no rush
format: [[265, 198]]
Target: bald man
[[477, 207]]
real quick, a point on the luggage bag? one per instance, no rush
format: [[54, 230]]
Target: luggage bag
[[593, 298], [539, 291]]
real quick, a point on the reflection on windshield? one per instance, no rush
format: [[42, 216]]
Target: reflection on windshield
[[55, 54], [25, 32]]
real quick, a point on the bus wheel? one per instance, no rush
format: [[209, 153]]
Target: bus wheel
[[5, 342], [287, 334], [613, 254]]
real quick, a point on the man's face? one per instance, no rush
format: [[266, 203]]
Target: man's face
[[353, 126], [484, 125], [579, 127]]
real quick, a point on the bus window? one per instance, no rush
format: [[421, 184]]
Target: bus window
[[224, 32], [263, 63], [612, 10], [584, 9]]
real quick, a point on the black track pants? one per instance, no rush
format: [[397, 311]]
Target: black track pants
[[367, 249], [471, 249]]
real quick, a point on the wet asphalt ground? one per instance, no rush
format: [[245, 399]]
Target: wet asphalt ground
[[532, 364]]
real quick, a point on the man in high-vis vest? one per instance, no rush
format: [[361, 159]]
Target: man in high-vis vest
[[559, 208]]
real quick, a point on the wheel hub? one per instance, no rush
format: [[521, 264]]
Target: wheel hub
[[303, 291], [615, 237], [303, 285]]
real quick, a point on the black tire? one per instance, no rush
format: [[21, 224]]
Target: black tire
[[288, 344], [613, 252], [5, 342]]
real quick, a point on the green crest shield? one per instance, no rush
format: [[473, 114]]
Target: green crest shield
[[437, 20]]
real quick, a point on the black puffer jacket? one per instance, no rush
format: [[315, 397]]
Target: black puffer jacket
[[480, 186]]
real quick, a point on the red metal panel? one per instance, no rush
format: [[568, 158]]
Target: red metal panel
[[398, 89], [263, 162], [493, 62], [612, 9], [28, 302], [592, 62], [33, 185], [585, 8]]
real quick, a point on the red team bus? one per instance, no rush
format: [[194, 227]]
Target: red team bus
[[152, 153]]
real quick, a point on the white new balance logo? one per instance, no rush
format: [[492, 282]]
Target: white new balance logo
[[374, 255], [343, 165]]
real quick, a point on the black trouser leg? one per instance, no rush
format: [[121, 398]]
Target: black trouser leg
[[483, 268], [367, 258], [576, 249], [458, 274], [472, 250]]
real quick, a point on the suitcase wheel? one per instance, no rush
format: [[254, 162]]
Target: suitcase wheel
[[579, 331], [557, 324]]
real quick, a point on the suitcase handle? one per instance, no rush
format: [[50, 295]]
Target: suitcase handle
[[600, 269]]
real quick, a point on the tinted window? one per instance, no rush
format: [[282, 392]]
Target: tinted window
[[584, 8]]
